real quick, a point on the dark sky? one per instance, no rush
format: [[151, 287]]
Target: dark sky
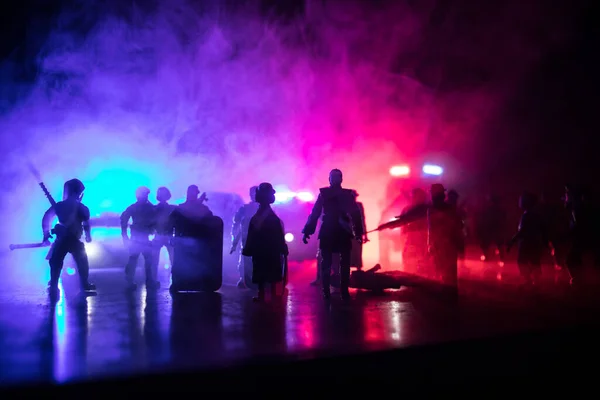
[[555, 108]]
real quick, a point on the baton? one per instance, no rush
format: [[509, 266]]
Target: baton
[[28, 246]]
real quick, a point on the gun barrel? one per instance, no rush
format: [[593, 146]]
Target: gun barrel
[[27, 246]]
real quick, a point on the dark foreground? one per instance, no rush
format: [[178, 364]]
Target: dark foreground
[[222, 341]]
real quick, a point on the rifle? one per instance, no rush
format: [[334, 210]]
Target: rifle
[[28, 246], [38, 177], [57, 228], [34, 171], [401, 220]]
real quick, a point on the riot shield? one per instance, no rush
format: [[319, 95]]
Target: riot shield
[[198, 257]]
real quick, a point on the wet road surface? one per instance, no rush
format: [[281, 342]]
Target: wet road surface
[[115, 333]]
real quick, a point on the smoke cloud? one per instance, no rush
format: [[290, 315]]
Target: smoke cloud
[[226, 97]]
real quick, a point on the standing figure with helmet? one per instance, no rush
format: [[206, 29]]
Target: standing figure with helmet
[[142, 214], [73, 222], [341, 224]]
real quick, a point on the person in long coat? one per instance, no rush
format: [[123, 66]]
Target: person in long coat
[[266, 243]]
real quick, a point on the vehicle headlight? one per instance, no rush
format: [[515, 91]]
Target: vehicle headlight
[[92, 249]]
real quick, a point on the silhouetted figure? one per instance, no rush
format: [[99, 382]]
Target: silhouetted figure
[[491, 225], [357, 246], [582, 232], [414, 253], [341, 224], [453, 197], [555, 217], [194, 208], [444, 231], [239, 233], [164, 228], [73, 222], [143, 216], [266, 243], [532, 239]]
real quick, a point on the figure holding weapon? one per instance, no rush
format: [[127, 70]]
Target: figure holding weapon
[[73, 222], [341, 225]]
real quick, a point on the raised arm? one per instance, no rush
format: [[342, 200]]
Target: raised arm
[[411, 215]]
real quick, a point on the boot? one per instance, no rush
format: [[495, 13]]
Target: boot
[[88, 287], [53, 291], [344, 283], [260, 298], [345, 293], [273, 291], [326, 287]]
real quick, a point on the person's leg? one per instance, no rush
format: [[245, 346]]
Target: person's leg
[[261, 293], [149, 266], [58, 251], [317, 281], [345, 273], [83, 265], [575, 264], [484, 245], [171, 252], [499, 242], [130, 267], [524, 267], [326, 261], [156, 246]]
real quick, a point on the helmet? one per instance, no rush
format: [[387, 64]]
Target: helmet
[[193, 191], [265, 193], [163, 194], [73, 187], [252, 192], [142, 192]]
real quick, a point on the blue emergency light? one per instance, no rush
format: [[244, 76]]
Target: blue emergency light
[[430, 169]]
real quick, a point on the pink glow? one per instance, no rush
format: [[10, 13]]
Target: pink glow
[[226, 98]]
